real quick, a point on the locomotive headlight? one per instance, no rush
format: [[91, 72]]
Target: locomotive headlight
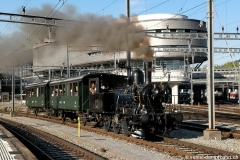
[[144, 111], [174, 110]]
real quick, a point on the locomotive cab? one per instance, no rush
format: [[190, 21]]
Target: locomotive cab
[[100, 100], [102, 93]]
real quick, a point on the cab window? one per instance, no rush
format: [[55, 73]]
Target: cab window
[[93, 87], [103, 85]]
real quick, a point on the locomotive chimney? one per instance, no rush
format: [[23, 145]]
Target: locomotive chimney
[[148, 72]]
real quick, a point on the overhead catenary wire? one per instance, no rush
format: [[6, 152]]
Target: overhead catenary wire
[[36, 31], [176, 15], [182, 6], [225, 29], [223, 33], [106, 6], [153, 7], [146, 6], [4, 30]]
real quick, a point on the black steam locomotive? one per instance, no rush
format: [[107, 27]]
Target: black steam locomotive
[[120, 103]]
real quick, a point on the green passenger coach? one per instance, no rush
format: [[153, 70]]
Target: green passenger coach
[[69, 97]]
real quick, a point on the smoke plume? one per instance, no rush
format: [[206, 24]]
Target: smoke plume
[[88, 30]]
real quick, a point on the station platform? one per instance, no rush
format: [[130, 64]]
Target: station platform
[[11, 148], [220, 125]]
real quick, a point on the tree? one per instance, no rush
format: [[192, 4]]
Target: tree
[[231, 64]]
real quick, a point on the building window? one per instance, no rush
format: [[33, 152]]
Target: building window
[[165, 30], [180, 30], [193, 31]]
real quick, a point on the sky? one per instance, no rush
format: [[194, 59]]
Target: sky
[[225, 15]]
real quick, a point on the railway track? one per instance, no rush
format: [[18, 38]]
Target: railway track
[[46, 146], [225, 114], [226, 132], [173, 146], [198, 151], [228, 108], [203, 115]]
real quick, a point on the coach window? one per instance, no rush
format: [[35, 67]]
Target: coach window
[[56, 90], [53, 91], [37, 91], [60, 90], [30, 92], [34, 92], [42, 91], [27, 92], [71, 89], [75, 89], [63, 89]]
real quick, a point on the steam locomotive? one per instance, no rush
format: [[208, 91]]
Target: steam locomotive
[[119, 103]]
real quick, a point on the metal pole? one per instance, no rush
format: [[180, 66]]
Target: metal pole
[[21, 85], [128, 52], [49, 34], [189, 47], [13, 89], [49, 75], [115, 63], [210, 77], [68, 66]]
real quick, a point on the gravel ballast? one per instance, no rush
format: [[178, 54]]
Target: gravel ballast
[[226, 144], [121, 150], [115, 149]]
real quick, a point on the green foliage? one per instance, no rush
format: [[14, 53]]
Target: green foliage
[[228, 65], [218, 66], [231, 64]]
